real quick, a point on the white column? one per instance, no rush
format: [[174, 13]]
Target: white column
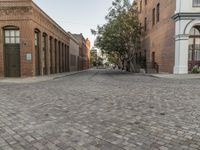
[[181, 54]]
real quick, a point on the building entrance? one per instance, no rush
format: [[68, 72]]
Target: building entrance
[[12, 52], [194, 48]]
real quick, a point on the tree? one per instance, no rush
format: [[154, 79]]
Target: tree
[[93, 57], [113, 58], [121, 34], [95, 60]]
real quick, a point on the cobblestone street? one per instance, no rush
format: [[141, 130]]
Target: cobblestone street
[[101, 110]]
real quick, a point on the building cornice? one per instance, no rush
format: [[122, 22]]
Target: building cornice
[[37, 8], [73, 38], [186, 16]]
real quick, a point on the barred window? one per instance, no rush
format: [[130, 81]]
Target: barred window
[[36, 38], [197, 55], [12, 36], [196, 3], [44, 37]]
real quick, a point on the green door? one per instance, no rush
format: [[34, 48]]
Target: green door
[[12, 60], [12, 52]]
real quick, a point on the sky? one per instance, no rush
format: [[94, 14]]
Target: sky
[[77, 16]]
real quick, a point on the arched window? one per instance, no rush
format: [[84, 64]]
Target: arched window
[[37, 32], [44, 47], [11, 35], [44, 41], [194, 47], [194, 31], [37, 52]]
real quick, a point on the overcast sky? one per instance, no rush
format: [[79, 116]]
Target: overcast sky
[[77, 16]]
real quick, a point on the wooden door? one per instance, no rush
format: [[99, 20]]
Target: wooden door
[[12, 60], [153, 59]]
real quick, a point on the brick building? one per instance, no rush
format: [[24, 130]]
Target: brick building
[[84, 44], [31, 43], [74, 53], [171, 34], [88, 46]]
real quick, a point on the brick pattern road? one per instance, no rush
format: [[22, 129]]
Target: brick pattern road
[[101, 110]]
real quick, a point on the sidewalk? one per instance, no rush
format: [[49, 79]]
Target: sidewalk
[[176, 76], [38, 78]]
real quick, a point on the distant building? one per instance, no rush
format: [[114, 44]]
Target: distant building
[[99, 56], [88, 46], [74, 53], [83, 51], [172, 34]]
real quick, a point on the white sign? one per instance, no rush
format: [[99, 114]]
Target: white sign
[[28, 56]]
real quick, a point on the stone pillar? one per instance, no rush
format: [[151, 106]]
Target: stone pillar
[[181, 54]]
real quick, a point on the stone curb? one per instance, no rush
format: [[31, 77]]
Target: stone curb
[[39, 78], [172, 76]]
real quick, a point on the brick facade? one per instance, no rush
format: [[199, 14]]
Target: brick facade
[[158, 42], [32, 21], [88, 46], [83, 51], [74, 53]]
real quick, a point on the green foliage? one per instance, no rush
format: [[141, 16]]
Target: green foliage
[[94, 59], [121, 33], [196, 69], [113, 58]]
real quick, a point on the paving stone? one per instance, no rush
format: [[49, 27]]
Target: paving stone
[[101, 109]]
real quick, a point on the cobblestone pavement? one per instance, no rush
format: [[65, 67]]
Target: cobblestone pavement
[[101, 110]]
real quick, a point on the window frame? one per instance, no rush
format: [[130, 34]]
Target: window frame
[[145, 24], [141, 6], [158, 13], [13, 36], [153, 16], [196, 5]]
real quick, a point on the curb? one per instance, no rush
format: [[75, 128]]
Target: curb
[[39, 78], [69, 74]]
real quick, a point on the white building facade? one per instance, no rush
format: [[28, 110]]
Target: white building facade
[[187, 35]]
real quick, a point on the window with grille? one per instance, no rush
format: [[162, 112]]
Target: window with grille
[[196, 3], [12, 36], [36, 38], [44, 41]]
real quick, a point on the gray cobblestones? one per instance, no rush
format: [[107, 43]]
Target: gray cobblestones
[[101, 110]]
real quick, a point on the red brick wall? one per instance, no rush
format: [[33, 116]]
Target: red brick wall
[[83, 52], [159, 38], [28, 17]]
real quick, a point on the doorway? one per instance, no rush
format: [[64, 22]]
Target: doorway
[[194, 48], [12, 52], [37, 54]]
